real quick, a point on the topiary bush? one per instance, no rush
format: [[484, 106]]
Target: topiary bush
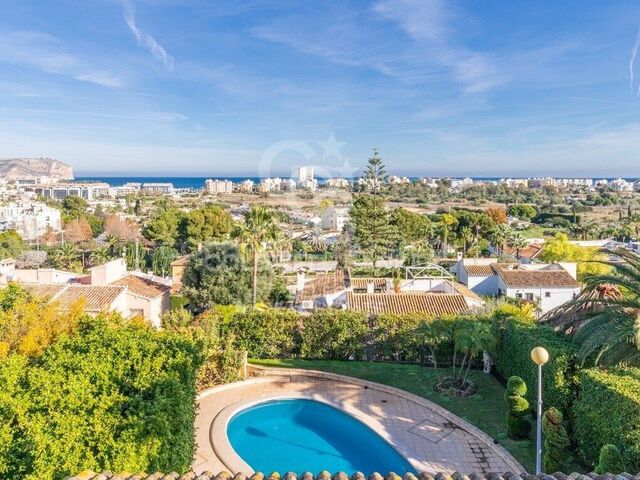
[[607, 411], [556, 441], [515, 342], [610, 460], [518, 426]]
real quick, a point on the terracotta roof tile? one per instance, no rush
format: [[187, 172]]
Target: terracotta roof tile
[[465, 291], [98, 297], [530, 251], [142, 287], [398, 303], [479, 270], [86, 475], [516, 276], [361, 283], [45, 291], [322, 284]]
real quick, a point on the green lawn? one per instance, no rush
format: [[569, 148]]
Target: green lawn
[[486, 409]]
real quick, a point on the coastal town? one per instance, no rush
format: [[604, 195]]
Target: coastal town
[[371, 240]]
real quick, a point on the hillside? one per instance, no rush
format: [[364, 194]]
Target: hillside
[[34, 168]]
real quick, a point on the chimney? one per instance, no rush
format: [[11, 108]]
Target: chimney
[[300, 280], [370, 288], [199, 246]]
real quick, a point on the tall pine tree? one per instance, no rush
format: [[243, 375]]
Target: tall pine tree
[[373, 232]]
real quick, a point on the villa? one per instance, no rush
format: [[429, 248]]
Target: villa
[[427, 289], [549, 285]]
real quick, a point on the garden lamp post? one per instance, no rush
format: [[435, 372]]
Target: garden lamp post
[[539, 356]]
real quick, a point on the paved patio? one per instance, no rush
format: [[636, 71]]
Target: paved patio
[[430, 437]]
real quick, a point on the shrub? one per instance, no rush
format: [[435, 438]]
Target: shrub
[[225, 366], [518, 408], [264, 333], [106, 397], [556, 441], [334, 334], [396, 339], [517, 339], [607, 410], [610, 460]]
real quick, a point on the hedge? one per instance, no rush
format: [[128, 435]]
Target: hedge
[[607, 411], [224, 366], [107, 397], [334, 335], [513, 358]]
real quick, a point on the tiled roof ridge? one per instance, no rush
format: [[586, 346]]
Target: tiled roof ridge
[[356, 476]]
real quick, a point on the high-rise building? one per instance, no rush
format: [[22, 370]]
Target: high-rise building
[[217, 187], [305, 174]]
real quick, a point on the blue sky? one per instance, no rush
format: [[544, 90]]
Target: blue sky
[[186, 87]]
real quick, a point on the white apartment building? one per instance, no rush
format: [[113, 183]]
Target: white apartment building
[[305, 174], [338, 183], [88, 191], [157, 188], [129, 188], [335, 218], [429, 182], [621, 185], [30, 220], [270, 184], [546, 285], [246, 186], [217, 187], [458, 184], [514, 182], [395, 180]]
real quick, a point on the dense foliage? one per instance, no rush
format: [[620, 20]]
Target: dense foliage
[[218, 274], [71, 410], [556, 441], [517, 338], [607, 410]]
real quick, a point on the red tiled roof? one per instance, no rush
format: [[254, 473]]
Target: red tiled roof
[[361, 283], [143, 287], [322, 284], [436, 304], [515, 276], [531, 251], [478, 270], [46, 291], [97, 297]]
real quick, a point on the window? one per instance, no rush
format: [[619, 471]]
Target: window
[[530, 296], [519, 295], [547, 294]]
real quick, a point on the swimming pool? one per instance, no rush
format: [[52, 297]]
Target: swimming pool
[[300, 435]]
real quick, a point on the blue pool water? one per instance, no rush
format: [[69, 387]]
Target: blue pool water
[[308, 436]]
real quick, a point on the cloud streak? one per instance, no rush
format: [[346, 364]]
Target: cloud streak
[[632, 66], [144, 39], [46, 53]]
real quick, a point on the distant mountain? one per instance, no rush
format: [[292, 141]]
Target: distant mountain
[[34, 168]]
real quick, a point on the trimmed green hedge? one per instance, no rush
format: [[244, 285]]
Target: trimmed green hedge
[[334, 335], [513, 357], [107, 397], [607, 411]]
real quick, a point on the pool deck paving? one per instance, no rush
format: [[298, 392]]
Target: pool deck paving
[[429, 436]]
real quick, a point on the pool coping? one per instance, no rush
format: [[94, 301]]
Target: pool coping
[[227, 455]]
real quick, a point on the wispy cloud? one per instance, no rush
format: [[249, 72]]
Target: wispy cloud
[[632, 66], [428, 22], [46, 53], [144, 39]]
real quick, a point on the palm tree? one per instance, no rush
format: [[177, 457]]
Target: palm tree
[[112, 243], [66, 256], [499, 235], [258, 230], [609, 331], [472, 338], [517, 241], [100, 255], [466, 235], [318, 244]]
